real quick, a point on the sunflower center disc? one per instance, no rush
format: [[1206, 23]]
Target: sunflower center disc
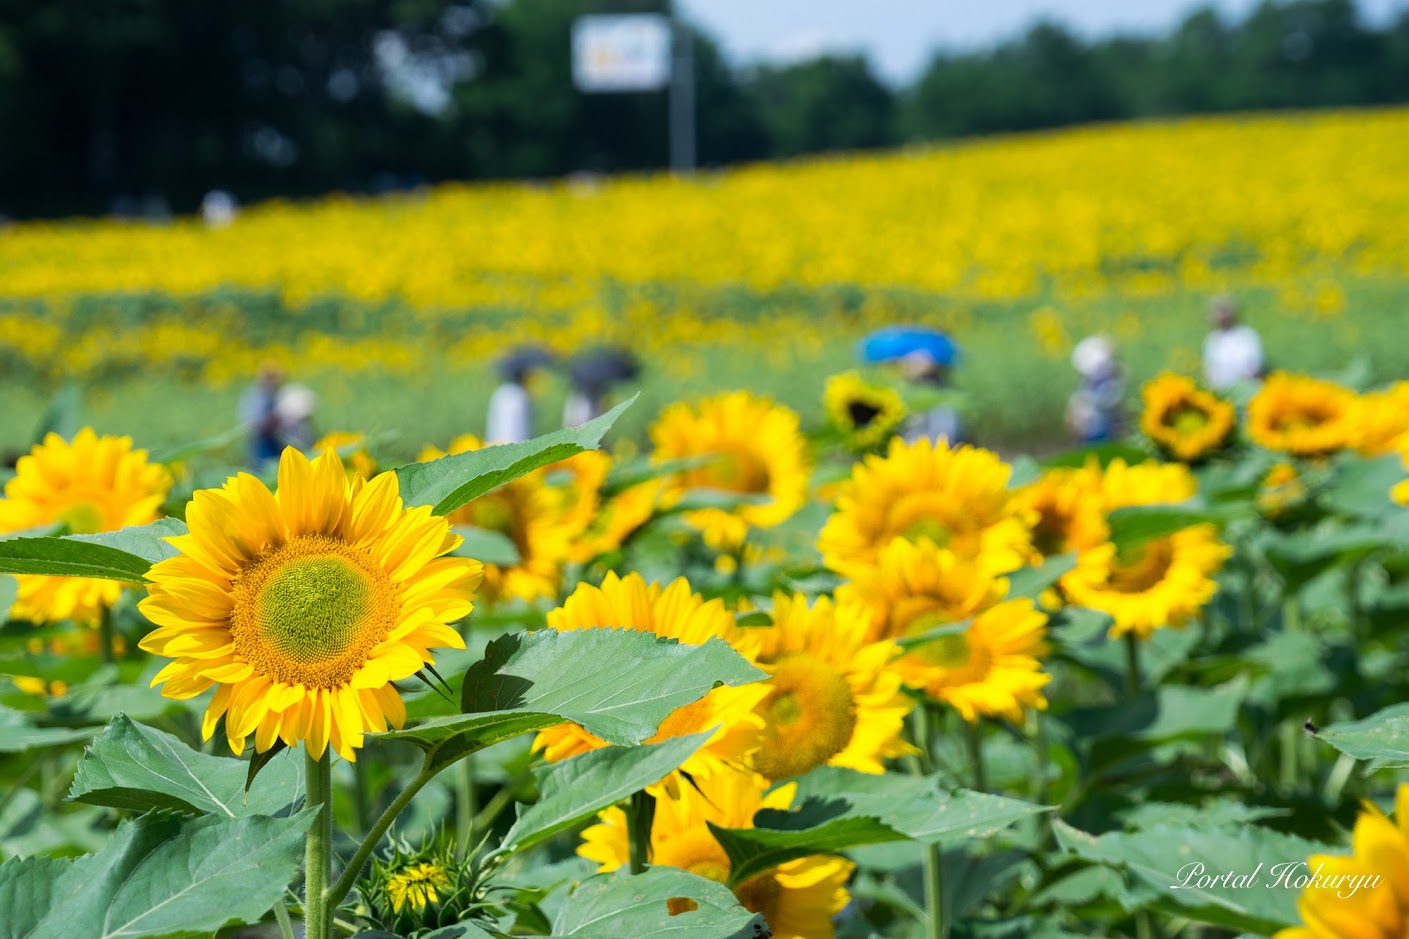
[[1187, 420], [310, 610], [83, 518], [811, 716], [1139, 570], [951, 651], [862, 413]]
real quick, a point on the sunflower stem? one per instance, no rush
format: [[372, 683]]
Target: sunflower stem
[[106, 646], [935, 926], [319, 849], [281, 913], [1132, 666], [639, 816], [466, 807], [344, 883], [974, 734]]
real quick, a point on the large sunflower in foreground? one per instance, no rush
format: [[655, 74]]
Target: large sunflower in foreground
[[797, 899], [833, 698], [302, 606], [914, 587], [1303, 416], [630, 603], [1067, 508], [954, 497], [1366, 895], [1163, 581], [89, 485], [1186, 421], [867, 414], [746, 444], [532, 515]]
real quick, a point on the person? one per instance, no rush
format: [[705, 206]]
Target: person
[[510, 418], [940, 421], [258, 414], [294, 413], [1232, 350], [1094, 409]]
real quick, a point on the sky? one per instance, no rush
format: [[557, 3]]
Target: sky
[[898, 35]]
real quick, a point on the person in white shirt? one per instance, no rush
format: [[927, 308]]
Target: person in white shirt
[[510, 413], [1232, 350]]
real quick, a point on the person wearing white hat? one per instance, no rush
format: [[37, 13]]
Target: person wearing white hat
[[1094, 409]]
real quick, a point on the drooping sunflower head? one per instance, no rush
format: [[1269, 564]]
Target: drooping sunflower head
[[677, 613], [1378, 871], [303, 606], [867, 414], [1161, 581], [748, 445], [1068, 510], [990, 668], [1304, 416], [915, 587], [1186, 421], [87, 485], [833, 698], [533, 516], [797, 899], [352, 447], [954, 497]]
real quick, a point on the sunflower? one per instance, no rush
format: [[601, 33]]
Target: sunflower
[[955, 497], [673, 611], [89, 485], [867, 414], [1365, 895], [1163, 581], [1384, 420], [599, 523], [1303, 416], [833, 698], [915, 587], [303, 606], [532, 515], [797, 899], [353, 447], [1281, 489], [750, 446], [1068, 513], [1188, 422]]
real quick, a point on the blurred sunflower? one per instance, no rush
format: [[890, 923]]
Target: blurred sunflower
[[1186, 421], [531, 515], [618, 517], [352, 447], [954, 497], [1163, 581], [756, 449], [303, 606], [578, 481], [797, 899], [630, 603], [1281, 489], [1067, 504], [914, 587], [92, 484], [991, 668], [1378, 871], [1303, 416], [833, 698], [1384, 420], [866, 413]]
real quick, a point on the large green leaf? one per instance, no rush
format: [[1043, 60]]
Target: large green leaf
[[1172, 711], [1031, 581], [146, 541], [840, 808], [1133, 525], [67, 557], [1253, 896], [485, 546], [18, 733], [131, 766], [1361, 487], [580, 787], [159, 875], [612, 906], [452, 481], [1382, 737]]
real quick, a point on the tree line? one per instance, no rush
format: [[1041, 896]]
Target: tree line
[[141, 106]]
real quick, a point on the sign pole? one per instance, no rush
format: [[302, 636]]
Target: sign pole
[[682, 98]]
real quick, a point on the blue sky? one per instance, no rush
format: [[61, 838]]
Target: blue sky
[[899, 34]]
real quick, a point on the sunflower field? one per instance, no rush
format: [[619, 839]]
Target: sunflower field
[[734, 660]]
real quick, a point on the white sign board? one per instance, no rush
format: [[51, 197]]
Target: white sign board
[[621, 53]]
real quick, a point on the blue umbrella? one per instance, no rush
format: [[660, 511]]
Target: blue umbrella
[[896, 342]]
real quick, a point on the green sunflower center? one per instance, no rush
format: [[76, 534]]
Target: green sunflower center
[[310, 611], [739, 471], [928, 527], [83, 518], [1187, 419], [810, 715], [952, 651]]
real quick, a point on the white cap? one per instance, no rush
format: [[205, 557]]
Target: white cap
[[1093, 355], [295, 403]]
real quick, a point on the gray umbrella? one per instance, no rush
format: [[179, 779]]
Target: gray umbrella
[[593, 371], [519, 361]]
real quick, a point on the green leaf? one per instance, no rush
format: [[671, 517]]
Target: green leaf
[[9, 592], [1133, 525], [485, 546], [617, 683], [838, 808], [159, 875], [452, 481], [1031, 581], [1361, 487], [145, 541], [1172, 711], [611, 906], [1382, 737], [1104, 454], [131, 766], [580, 787], [68, 557], [18, 733], [1172, 859]]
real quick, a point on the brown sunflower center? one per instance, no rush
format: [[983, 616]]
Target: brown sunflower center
[[760, 894], [739, 471], [1138, 569], [1052, 533], [861, 413], [810, 715], [310, 611]]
